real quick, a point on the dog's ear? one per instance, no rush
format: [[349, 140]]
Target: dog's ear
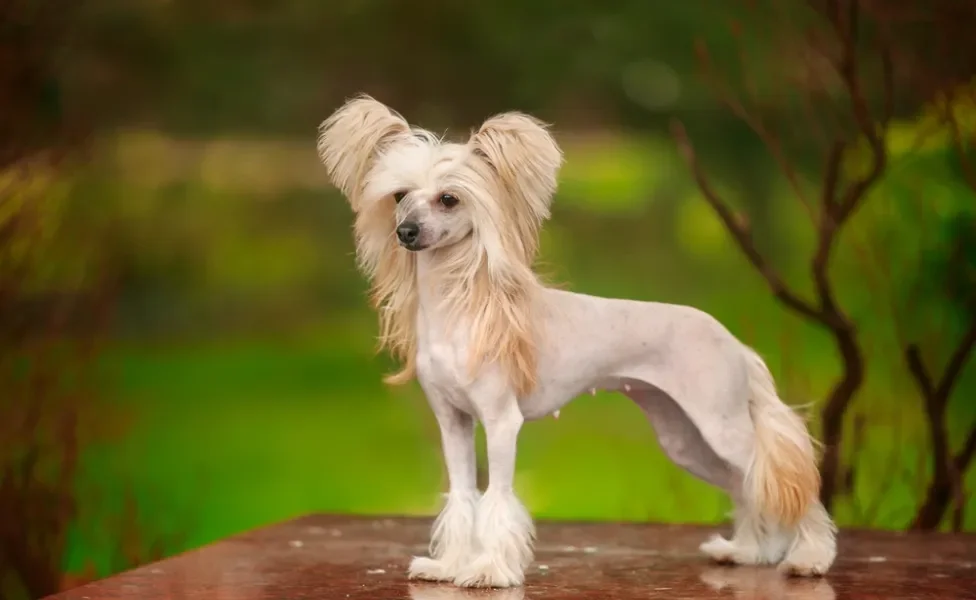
[[351, 138], [523, 154]]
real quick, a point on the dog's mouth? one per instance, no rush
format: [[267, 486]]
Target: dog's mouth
[[414, 247]]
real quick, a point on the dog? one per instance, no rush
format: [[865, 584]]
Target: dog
[[447, 234]]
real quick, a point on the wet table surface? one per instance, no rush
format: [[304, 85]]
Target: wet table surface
[[334, 558]]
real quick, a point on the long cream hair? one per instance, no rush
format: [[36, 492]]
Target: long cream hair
[[486, 281]]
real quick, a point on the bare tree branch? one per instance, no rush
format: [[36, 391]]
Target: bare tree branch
[[756, 123], [841, 195], [740, 231], [948, 470], [965, 456], [959, 144], [919, 372], [836, 211], [957, 362], [947, 484]]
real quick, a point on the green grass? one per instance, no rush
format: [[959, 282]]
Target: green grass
[[232, 434], [227, 438]]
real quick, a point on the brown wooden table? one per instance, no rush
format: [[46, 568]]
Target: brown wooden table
[[335, 557]]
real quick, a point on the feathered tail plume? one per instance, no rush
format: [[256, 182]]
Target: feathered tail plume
[[782, 479]]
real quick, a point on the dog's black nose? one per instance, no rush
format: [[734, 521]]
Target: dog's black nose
[[408, 233]]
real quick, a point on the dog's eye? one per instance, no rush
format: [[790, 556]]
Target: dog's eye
[[448, 201], [398, 196]]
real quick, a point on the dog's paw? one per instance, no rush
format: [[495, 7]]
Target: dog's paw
[[429, 569], [803, 564], [433, 591], [719, 550], [727, 552], [810, 558], [485, 572]]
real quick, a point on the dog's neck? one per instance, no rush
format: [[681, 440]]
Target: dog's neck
[[428, 296], [445, 280], [499, 317], [433, 283]]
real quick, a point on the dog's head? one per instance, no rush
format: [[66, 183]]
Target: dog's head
[[409, 186], [477, 206]]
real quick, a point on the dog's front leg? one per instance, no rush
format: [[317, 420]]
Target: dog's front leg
[[452, 537], [503, 527]]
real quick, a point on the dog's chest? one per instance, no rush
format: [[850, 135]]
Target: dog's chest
[[440, 369], [441, 356], [438, 363]]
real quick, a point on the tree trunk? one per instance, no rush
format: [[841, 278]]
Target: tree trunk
[[834, 411], [941, 492]]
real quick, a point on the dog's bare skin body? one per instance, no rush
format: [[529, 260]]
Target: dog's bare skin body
[[709, 398]]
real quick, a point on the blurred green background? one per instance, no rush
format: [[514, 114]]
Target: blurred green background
[[238, 369]]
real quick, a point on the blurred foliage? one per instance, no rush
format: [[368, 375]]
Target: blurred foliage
[[48, 412], [920, 225], [55, 303], [242, 346], [496, 54], [32, 41], [213, 259]]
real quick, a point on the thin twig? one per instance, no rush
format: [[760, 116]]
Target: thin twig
[[740, 231], [919, 372], [769, 137], [957, 362], [965, 455], [948, 470]]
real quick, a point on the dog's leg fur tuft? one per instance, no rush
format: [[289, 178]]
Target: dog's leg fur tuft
[[451, 540], [505, 534]]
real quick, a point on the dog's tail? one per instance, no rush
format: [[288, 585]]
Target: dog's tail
[[782, 479]]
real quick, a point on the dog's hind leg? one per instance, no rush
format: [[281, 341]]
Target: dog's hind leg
[[452, 537], [732, 430], [678, 437], [805, 548], [683, 443], [778, 515]]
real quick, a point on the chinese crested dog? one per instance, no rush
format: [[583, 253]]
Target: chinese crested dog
[[447, 234]]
